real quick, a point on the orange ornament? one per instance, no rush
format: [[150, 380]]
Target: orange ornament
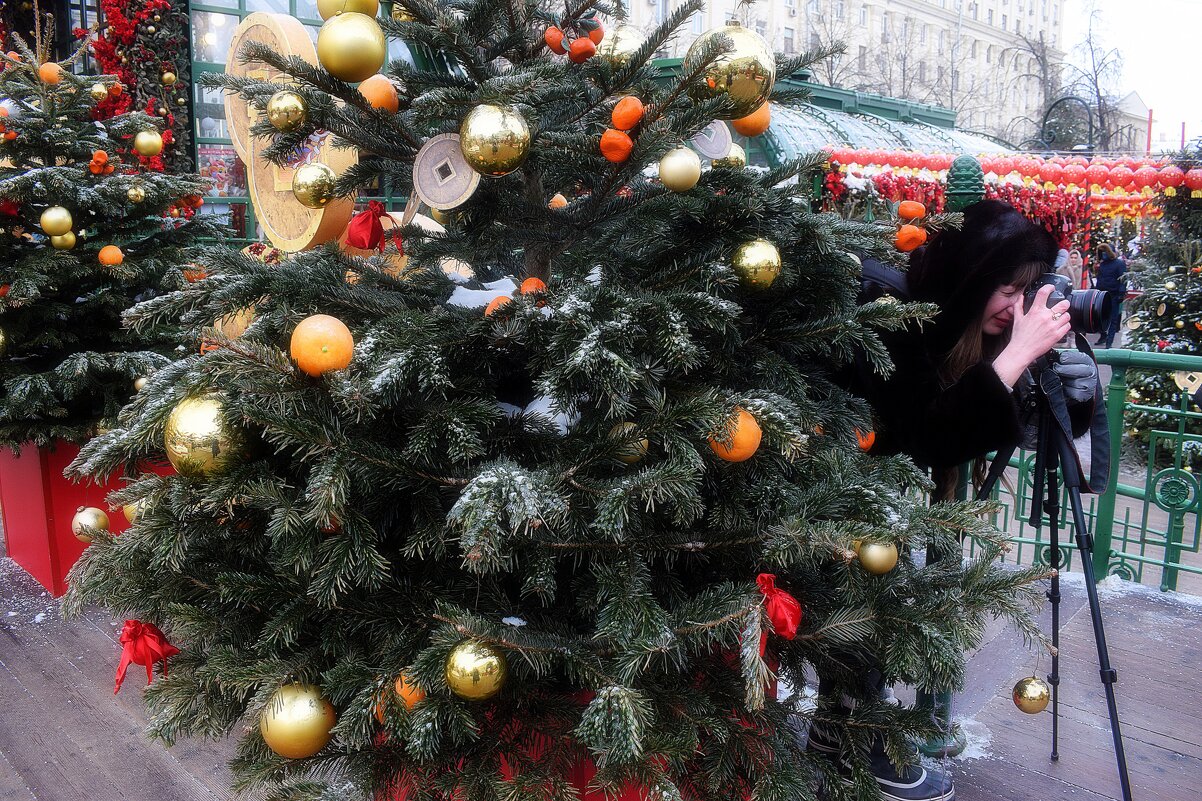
[[554, 39], [195, 274], [627, 113], [50, 73], [581, 50], [558, 201], [744, 441], [100, 157], [380, 93], [110, 256], [496, 303], [4, 290], [411, 694], [116, 89], [597, 34], [616, 146], [909, 237], [754, 123], [321, 344], [10, 135], [865, 441], [532, 285], [911, 210]]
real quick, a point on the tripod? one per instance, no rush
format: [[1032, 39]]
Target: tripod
[[1055, 450]]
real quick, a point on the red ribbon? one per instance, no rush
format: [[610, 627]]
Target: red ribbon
[[367, 233], [783, 609], [142, 644]]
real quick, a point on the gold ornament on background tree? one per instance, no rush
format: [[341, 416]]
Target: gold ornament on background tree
[[140, 383], [632, 451], [735, 159], [351, 47], [148, 143], [745, 73], [169, 78], [56, 221], [680, 169], [297, 721], [198, 439], [757, 263], [620, 45], [1032, 694], [494, 140], [332, 8], [401, 14], [135, 194], [877, 558], [63, 241], [87, 519], [313, 185], [475, 670], [133, 511], [98, 92], [286, 111]]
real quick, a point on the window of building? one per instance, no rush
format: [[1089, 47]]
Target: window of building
[[922, 72], [838, 9], [885, 27], [862, 59], [864, 15], [788, 40], [972, 9], [790, 3], [989, 16], [697, 23], [815, 43], [923, 34], [942, 41], [812, 7], [761, 27], [955, 81], [972, 51], [989, 54], [1005, 21]]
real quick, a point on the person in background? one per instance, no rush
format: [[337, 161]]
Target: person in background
[[1076, 267], [1111, 272]]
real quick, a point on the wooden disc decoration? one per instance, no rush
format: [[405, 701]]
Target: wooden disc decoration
[[1188, 381], [713, 141], [289, 225], [442, 177]]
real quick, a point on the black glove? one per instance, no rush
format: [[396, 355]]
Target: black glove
[[1079, 375]]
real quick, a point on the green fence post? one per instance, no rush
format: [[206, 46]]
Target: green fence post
[[1116, 397]]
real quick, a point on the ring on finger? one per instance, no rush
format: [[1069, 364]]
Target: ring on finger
[[1057, 315]]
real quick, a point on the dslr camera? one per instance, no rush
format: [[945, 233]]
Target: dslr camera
[[1088, 309]]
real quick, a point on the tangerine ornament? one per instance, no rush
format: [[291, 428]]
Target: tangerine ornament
[[744, 439], [557, 201], [911, 210], [581, 50], [321, 344], [909, 237], [380, 93], [597, 34], [110, 256], [532, 285], [51, 73], [627, 113], [754, 123], [865, 441], [410, 694], [616, 146], [553, 38], [496, 303]]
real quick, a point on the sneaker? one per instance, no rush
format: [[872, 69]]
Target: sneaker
[[912, 783]]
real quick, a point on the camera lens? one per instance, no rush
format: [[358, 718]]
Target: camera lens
[[1088, 309]]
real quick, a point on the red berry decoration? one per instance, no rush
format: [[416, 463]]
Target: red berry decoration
[[554, 38], [581, 50]]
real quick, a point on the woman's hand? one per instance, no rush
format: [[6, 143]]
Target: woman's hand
[[1034, 334]]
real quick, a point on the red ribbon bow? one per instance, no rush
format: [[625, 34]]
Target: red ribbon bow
[[142, 644], [367, 233], [783, 609]]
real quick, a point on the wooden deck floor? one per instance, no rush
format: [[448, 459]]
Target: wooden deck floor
[[64, 736]]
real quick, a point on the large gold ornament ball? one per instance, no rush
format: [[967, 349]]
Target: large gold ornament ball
[[330, 8], [313, 185], [169, 78], [286, 111], [133, 511], [135, 194], [495, 140], [475, 670], [198, 439], [757, 263], [745, 73], [86, 519], [680, 169], [63, 241], [631, 451], [297, 721], [148, 143], [878, 558], [98, 92], [735, 159], [56, 221], [620, 44], [351, 47], [1032, 694], [401, 14]]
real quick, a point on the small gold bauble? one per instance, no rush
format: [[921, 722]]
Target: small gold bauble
[[63, 241], [631, 451], [440, 216], [140, 383], [148, 143], [680, 169], [1170, 285], [234, 324], [745, 73], [198, 439], [133, 511], [88, 517], [735, 159], [313, 185], [1032, 694], [351, 47], [169, 78], [162, 111], [297, 721], [157, 18], [136, 194], [98, 92], [401, 14], [757, 263], [286, 111], [620, 44], [1172, 271], [475, 670], [181, 101], [878, 558], [124, 60], [331, 8], [1179, 323], [151, 29], [495, 140], [56, 220]]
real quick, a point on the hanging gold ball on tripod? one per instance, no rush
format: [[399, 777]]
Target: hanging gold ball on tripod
[[680, 169], [198, 439], [401, 14], [56, 221], [1032, 694], [286, 111], [620, 44], [135, 194], [745, 73], [735, 159], [313, 185], [169, 78], [63, 241]]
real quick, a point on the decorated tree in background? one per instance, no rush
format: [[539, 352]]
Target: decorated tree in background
[[564, 487], [86, 232], [1169, 313]]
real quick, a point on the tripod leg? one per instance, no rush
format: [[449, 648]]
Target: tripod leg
[[1053, 510]]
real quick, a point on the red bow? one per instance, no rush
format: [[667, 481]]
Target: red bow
[[142, 644], [783, 609], [367, 233]]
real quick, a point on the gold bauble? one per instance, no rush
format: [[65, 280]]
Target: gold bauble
[[181, 101], [297, 721], [234, 324], [150, 29], [495, 140], [63, 241], [631, 452], [56, 220], [98, 92], [1032, 694], [198, 439], [440, 216], [148, 143], [1179, 323], [757, 263], [745, 73], [140, 383], [680, 169], [351, 47], [330, 8], [620, 44], [878, 558], [286, 111], [401, 14], [133, 511], [1172, 270], [88, 517], [136, 194], [1170, 285], [735, 159], [475, 670], [313, 185]]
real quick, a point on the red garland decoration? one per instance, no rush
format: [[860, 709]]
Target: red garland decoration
[[142, 644]]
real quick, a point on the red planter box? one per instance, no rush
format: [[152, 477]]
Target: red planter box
[[37, 504]]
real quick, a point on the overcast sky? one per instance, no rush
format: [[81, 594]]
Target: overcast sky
[[1161, 57]]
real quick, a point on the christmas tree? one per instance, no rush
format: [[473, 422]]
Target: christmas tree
[[86, 234], [566, 486], [1168, 316]]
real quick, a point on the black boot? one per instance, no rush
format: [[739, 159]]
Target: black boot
[[914, 783]]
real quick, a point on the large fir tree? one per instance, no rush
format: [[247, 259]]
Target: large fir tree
[[544, 481]]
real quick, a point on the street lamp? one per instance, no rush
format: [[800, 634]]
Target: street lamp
[[1049, 135]]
